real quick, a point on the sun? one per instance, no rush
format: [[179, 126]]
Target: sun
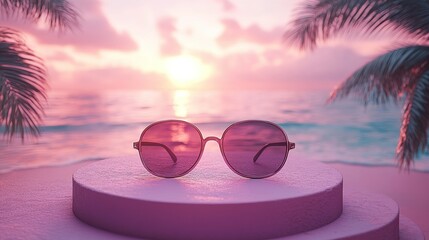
[[184, 71]]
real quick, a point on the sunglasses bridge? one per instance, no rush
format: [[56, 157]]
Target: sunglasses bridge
[[211, 138]]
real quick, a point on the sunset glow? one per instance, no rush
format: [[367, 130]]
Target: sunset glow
[[189, 45], [185, 70]]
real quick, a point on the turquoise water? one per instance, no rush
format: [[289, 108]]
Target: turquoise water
[[80, 127]]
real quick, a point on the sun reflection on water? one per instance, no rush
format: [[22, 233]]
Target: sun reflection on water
[[180, 103]]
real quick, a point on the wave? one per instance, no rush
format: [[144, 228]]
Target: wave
[[208, 124], [84, 127], [381, 126], [299, 125], [297, 111]]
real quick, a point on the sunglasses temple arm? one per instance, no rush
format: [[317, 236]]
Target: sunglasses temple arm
[[172, 155], [276, 144]]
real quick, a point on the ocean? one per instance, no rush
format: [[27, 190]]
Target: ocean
[[92, 126]]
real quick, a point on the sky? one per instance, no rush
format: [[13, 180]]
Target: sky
[[189, 44]]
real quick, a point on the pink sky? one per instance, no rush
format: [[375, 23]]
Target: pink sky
[[237, 44]]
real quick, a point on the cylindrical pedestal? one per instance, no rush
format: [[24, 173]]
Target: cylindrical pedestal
[[211, 202]]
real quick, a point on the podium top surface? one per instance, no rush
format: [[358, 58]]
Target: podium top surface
[[210, 182]]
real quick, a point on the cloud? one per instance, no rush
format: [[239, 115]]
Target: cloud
[[61, 57], [233, 34], [108, 78], [272, 69], [94, 33], [327, 64], [276, 69], [227, 5], [170, 46]]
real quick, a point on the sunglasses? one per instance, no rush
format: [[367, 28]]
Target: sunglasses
[[252, 148]]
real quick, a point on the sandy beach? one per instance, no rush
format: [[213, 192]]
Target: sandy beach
[[408, 189], [36, 203]]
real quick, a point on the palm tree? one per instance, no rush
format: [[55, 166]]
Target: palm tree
[[397, 73], [22, 73]]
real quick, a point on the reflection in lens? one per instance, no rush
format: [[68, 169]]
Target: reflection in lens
[[164, 141], [242, 142]]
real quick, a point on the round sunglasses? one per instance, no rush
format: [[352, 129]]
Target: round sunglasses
[[252, 148]]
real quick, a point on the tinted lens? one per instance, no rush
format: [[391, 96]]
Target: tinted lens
[[170, 148], [255, 149]]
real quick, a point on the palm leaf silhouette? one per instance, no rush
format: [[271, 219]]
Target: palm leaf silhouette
[[400, 72], [22, 73], [387, 77], [321, 19], [413, 136], [60, 14], [22, 85]]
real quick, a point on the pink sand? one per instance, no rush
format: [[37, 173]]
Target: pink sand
[[36, 204]]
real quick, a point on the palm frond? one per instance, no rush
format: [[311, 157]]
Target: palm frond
[[387, 77], [415, 122], [320, 19], [59, 14], [22, 86]]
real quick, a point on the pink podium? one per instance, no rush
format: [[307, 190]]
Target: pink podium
[[303, 201]]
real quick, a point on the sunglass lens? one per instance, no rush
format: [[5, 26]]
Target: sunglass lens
[[255, 149], [170, 148]]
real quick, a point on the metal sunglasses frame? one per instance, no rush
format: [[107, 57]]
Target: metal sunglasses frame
[[289, 145]]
